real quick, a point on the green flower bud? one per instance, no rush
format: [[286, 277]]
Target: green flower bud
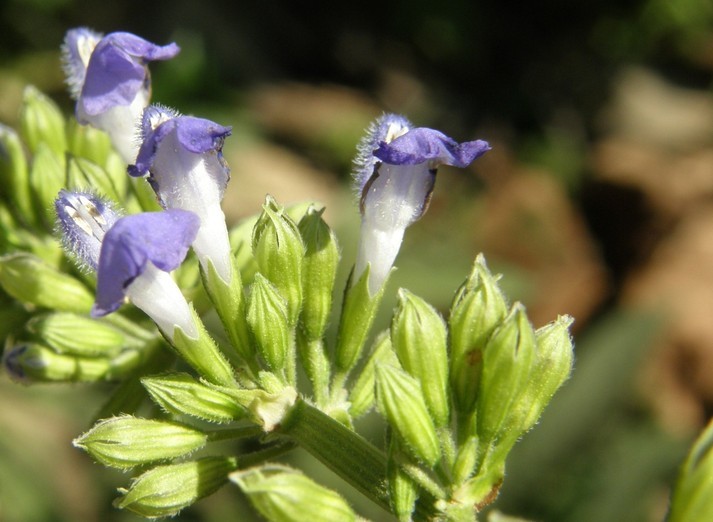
[[87, 142], [318, 272], [281, 494], [418, 335], [400, 400], [692, 498], [478, 307], [14, 174], [268, 322], [32, 281], [34, 362], [59, 331], [361, 396], [552, 365], [47, 178], [181, 394], [41, 121], [358, 312], [279, 252], [507, 365], [125, 442], [86, 175], [165, 490], [240, 237]]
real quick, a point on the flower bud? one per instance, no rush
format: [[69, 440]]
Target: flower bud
[[478, 307], [551, 367], [59, 331], [361, 396], [282, 494], [87, 142], [47, 177], [267, 320], [507, 364], [692, 497], [165, 490], [400, 400], [279, 252], [37, 363], [418, 335], [181, 394], [41, 121], [319, 270], [125, 442], [32, 281], [14, 174], [86, 175]]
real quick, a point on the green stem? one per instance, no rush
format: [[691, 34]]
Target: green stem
[[244, 432], [258, 457], [343, 451]]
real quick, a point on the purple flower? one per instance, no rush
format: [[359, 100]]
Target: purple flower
[[183, 157], [109, 78], [136, 255], [83, 219], [395, 172]]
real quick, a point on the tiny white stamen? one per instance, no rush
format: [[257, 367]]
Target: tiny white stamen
[[394, 131], [78, 220]]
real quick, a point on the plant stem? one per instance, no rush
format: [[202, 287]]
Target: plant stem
[[345, 452], [244, 432]]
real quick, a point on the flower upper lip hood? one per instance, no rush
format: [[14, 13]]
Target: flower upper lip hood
[[196, 135], [162, 238], [421, 145], [117, 71]]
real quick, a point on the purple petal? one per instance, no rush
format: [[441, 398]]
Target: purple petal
[[117, 70], [196, 135], [421, 145], [160, 237]]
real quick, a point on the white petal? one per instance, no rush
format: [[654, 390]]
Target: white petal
[[157, 294]]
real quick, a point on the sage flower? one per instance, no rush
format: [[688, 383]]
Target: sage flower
[[108, 77], [183, 157], [395, 172], [136, 256]]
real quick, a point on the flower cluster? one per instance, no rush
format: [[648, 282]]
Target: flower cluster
[[456, 393]]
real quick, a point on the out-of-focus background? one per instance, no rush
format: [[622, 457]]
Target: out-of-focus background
[[596, 201]]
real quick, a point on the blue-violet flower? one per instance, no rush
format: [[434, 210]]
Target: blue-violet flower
[[183, 157], [109, 78], [136, 256], [395, 171]]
